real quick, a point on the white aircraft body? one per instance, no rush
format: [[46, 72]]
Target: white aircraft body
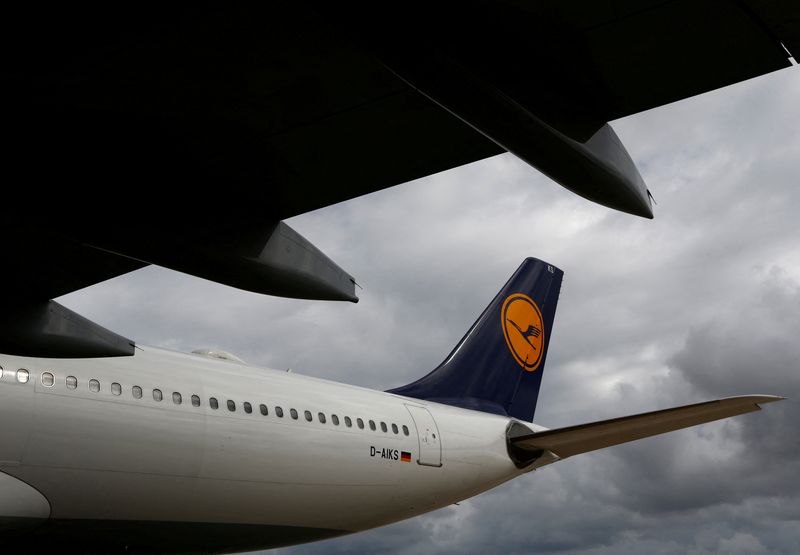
[[197, 453]]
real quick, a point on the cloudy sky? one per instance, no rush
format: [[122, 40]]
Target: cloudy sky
[[700, 303]]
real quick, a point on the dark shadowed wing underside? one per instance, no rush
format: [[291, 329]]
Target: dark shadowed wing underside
[[182, 134]]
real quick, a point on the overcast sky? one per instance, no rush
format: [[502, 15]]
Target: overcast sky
[[701, 302]]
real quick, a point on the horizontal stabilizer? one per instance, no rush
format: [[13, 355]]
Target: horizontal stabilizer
[[565, 442]]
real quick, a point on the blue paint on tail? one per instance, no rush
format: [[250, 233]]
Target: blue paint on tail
[[497, 367]]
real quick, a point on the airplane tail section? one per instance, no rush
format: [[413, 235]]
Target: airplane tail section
[[497, 366]]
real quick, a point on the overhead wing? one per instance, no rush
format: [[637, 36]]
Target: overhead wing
[[182, 134], [292, 106], [574, 440]]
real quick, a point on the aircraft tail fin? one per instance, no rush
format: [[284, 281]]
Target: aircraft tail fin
[[497, 366]]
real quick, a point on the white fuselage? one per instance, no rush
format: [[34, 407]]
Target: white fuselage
[[108, 455]]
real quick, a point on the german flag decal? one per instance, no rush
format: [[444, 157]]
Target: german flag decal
[[405, 456]]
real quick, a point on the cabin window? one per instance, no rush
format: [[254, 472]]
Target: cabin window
[[372, 425], [384, 429], [195, 400], [94, 386], [335, 420], [348, 422], [293, 413], [231, 406], [263, 409], [116, 389], [308, 415], [48, 379], [177, 398], [394, 428], [213, 403], [279, 412], [22, 375], [157, 395], [405, 429], [360, 423], [322, 418], [136, 391], [72, 382], [248, 408], [1, 371]]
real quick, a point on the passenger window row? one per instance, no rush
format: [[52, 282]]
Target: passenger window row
[[71, 382], [307, 414]]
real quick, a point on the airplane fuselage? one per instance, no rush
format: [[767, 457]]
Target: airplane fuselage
[[186, 453], [96, 459]]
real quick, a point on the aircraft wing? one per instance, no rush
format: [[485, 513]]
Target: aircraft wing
[[292, 106], [574, 440], [182, 134], [541, 79]]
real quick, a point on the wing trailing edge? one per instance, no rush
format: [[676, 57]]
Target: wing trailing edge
[[525, 447]]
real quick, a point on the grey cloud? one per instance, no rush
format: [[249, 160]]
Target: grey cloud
[[752, 344]]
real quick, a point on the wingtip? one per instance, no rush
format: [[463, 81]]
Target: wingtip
[[753, 399], [756, 398], [761, 399]]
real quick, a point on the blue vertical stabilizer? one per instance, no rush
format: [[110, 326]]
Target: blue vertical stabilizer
[[497, 366]]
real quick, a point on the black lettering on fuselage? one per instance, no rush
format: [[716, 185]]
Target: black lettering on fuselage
[[384, 453]]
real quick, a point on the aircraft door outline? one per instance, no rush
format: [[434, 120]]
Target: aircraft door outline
[[430, 445]]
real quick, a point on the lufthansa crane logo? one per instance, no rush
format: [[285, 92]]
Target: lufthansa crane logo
[[523, 329]]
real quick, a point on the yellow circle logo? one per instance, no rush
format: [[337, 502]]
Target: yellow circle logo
[[523, 329]]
